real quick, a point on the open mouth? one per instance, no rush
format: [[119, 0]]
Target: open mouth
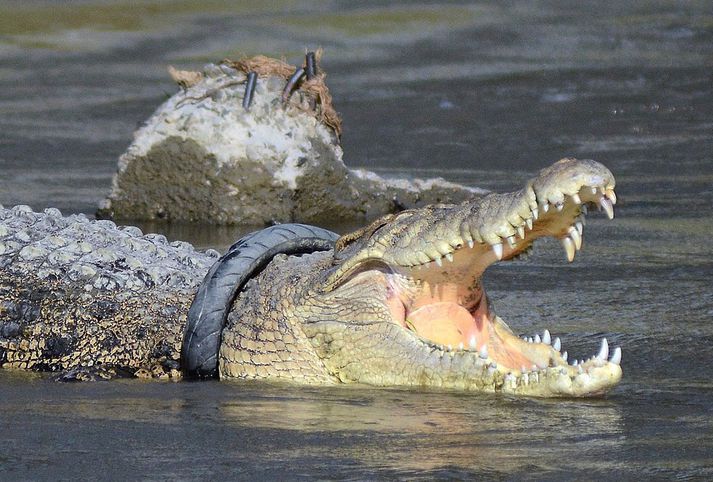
[[441, 299], [433, 260]]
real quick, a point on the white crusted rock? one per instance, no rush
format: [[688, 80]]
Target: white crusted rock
[[203, 157]]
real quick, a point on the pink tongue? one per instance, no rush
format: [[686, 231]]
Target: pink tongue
[[445, 323]]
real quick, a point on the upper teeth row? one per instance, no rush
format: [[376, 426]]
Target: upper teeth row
[[497, 248], [572, 241]]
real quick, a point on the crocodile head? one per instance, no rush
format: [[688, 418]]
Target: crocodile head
[[418, 313]]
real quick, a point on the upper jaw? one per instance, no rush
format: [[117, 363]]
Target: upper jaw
[[506, 224], [503, 225]]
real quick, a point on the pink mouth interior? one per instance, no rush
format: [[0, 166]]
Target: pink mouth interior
[[450, 324]]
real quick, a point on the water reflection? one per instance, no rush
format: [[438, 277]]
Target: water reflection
[[424, 431]]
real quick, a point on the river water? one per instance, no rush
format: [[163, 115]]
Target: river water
[[485, 94]]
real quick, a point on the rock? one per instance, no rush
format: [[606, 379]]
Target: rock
[[203, 157]]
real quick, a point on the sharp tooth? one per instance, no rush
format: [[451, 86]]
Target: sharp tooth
[[576, 237], [528, 221], [575, 363], [460, 345], [545, 207], [564, 356], [498, 250], [611, 195], [483, 351], [585, 209], [576, 199], [546, 338], [525, 379], [537, 339], [471, 343], [449, 257], [535, 213], [568, 248], [616, 357], [521, 232], [439, 261], [557, 344], [603, 350], [559, 206], [471, 244], [594, 190], [511, 241], [450, 347], [608, 207], [579, 225], [530, 340], [580, 369]]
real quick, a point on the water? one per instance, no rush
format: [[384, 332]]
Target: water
[[484, 94]]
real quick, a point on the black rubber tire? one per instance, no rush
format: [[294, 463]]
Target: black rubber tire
[[244, 260]]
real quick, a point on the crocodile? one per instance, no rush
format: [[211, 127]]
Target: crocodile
[[399, 302]]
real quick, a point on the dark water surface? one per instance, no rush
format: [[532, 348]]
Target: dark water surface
[[484, 94]]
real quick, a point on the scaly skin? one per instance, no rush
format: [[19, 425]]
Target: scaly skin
[[381, 309], [92, 298]]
